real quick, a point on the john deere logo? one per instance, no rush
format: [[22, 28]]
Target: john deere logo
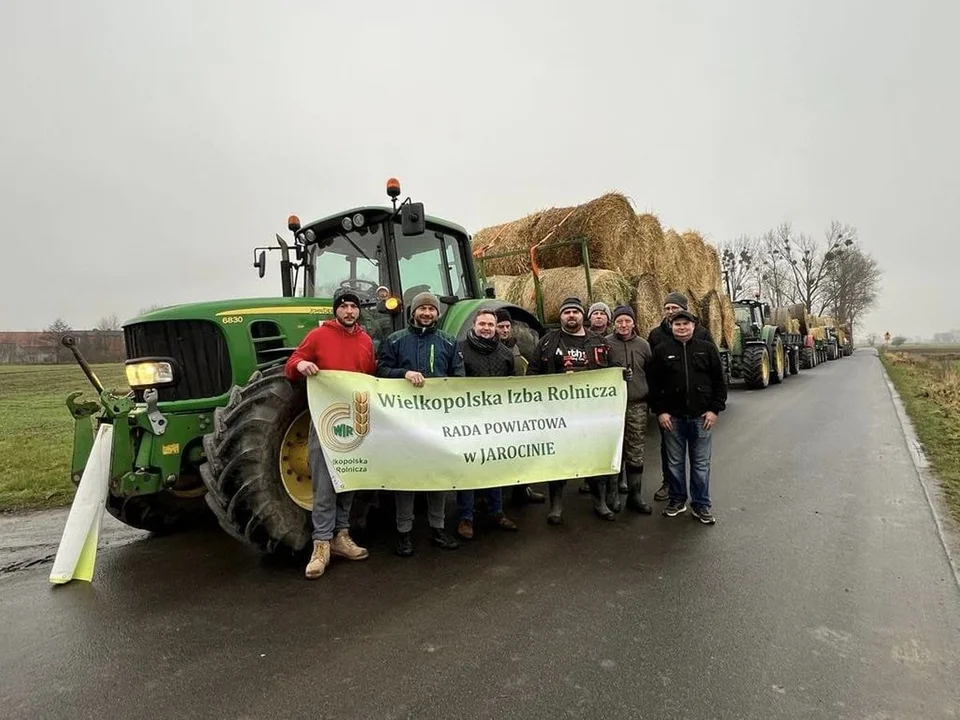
[[343, 426]]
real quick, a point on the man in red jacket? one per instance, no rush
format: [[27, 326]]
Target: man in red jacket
[[339, 344]]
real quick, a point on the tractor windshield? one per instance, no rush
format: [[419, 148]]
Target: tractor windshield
[[431, 262], [354, 260], [743, 314]]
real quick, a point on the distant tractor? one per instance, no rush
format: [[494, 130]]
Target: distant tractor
[[758, 356], [212, 423]]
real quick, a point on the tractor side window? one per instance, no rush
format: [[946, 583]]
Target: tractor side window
[[430, 262], [742, 315]]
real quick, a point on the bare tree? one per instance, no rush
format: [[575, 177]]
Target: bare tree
[[108, 323], [739, 258], [872, 339], [53, 336], [772, 269], [852, 285], [809, 264]]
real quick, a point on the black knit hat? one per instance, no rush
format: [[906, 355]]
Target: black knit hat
[[683, 314], [344, 295], [503, 315], [624, 310]]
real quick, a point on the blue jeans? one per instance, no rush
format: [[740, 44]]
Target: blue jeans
[[689, 438], [331, 510], [465, 499]]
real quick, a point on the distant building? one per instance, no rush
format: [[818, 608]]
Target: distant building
[[97, 346]]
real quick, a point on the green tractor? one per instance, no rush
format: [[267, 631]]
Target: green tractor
[[212, 423], [758, 356]]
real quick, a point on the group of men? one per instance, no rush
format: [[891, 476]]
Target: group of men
[[676, 373]]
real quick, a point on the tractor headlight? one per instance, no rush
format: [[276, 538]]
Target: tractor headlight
[[149, 373]]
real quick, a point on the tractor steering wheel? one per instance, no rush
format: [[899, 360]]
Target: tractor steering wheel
[[367, 287]]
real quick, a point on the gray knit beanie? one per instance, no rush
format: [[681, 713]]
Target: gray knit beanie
[[600, 306], [424, 298], [676, 298]]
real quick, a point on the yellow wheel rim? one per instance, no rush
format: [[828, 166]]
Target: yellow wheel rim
[[765, 368], [780, 360], [295, 462]]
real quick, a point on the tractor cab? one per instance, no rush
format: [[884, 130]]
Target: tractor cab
[[750, 316], [386, 255]]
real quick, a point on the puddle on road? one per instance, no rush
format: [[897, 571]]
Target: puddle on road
[[31, 539]]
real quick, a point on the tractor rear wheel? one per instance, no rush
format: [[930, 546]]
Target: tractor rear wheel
[[793, 360], [756, 367], [257, 471], [831, 351], [808, 358], [778, 370]]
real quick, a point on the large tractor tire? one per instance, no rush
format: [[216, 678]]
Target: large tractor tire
[[166, 512], [756, 367], [257, 471], [778, 362], [832, 351], [793, 358]]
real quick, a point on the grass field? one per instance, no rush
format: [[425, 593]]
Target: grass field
[[36, 431], [928, 380]]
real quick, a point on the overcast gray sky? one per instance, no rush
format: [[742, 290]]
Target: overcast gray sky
[[147, 147]]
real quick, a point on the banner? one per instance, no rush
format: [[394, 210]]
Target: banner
[[467, 433]]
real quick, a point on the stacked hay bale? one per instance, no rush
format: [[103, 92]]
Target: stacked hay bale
[[632, 259]]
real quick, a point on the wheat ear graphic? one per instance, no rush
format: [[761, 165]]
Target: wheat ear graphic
[[361, 412]]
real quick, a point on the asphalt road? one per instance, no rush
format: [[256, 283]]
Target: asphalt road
[[822, 592]]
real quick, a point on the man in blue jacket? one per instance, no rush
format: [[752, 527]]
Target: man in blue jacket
[[416, 353]]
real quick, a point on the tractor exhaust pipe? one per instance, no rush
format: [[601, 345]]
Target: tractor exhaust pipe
[[70, 342]]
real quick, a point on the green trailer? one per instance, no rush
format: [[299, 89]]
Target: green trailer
[[212, 427]]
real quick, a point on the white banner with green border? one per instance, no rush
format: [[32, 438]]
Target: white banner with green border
[[467, 433]]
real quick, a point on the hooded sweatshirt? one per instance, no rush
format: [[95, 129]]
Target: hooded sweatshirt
[[332, 347]]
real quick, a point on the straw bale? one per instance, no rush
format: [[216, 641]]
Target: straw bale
[[504, 285], [557, 284], [729, 320], [608, 223], [700, 263], [711, 315], [781, 318], [651, 243], [648, 303]]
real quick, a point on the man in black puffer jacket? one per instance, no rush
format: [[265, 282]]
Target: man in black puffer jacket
[[687, 393], [484, 356], [673, 302]]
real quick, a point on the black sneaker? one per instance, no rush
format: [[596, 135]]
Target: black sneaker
[[675, 508], [703, 514], [662, 494], [443, 539]]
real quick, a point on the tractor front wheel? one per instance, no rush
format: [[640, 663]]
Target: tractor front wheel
[[756, 367], [778, 371], [831, 351], [257, 471], [808, 358]]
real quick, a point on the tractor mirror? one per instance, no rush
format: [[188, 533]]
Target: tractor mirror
[[412, 219], [261, 263], [490, 292]]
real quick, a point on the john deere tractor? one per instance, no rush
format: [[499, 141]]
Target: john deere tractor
[[757, 356], [212, 423]]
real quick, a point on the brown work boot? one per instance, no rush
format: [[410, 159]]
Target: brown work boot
[[504, 523], [319, 560], [343, 546], [465, 529]]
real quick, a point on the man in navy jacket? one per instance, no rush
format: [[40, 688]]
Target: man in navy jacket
[[416, 353]]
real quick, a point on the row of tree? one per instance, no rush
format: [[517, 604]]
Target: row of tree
[[832, 275]]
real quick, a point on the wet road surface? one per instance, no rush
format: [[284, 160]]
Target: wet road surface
[[822, 592]]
